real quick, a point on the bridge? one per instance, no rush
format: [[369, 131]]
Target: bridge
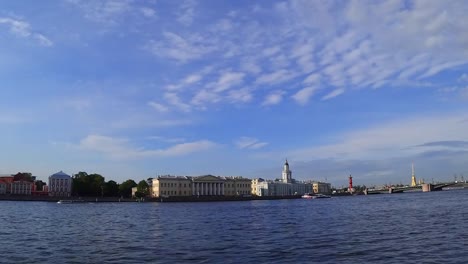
[[419, 188]]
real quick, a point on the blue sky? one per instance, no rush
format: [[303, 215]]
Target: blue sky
[[132, 89]]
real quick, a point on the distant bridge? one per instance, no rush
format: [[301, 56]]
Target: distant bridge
[[418, 188]]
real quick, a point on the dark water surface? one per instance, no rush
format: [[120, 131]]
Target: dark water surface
[[394, 228]]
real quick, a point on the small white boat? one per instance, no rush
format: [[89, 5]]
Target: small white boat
[[315, 196], [70, 201]]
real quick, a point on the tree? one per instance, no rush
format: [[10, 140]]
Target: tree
[[111, 189], [125, 188], [142, 189], [85, 184], [97, 184], [40, 185], [23, 176]]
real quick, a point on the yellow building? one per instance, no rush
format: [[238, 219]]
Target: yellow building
[[321, 187], [254, 186], [237, 186], [207, 185]]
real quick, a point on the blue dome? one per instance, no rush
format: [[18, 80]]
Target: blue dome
[[60, 175]]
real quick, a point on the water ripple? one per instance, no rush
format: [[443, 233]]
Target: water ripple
[[398, 228]]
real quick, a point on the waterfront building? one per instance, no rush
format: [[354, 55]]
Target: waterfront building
[[207, 185], [134, 190], [3, 187], [5, 183], [321, 187], [60, 184], [22, 187], [287, 173], [284, 187]]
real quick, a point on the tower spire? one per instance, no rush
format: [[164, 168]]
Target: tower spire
[[413, 175], [287, 174]]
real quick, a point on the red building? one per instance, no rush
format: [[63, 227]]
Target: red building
[[5, 184]]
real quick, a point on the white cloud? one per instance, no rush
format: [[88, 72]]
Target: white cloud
[[391, 139], [273, 98], [182, 49], [191, 79], [333, 94], [276, 77], [107, 12], [463, 78], [148, 12], [158, 107], [173, 99], [166, 139], [43, 40], [228, 79], [120, 148], [312, 79], [271, 51], [205, 96], [23, 29], [240, 95], [249, 143], [251, 67], [187, 12], [145, 121], [302, 96]]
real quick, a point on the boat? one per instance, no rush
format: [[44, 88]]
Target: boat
[[320, 196], [315, 196], [70, 201]]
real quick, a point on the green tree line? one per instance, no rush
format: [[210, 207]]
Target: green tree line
[[84, 184]]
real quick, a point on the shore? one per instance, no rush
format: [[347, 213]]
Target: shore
[[28, 198]]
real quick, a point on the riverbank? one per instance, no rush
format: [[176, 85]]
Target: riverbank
[[28, 198]]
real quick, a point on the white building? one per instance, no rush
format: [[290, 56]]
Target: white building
[[3, 188], [284, 187], [287, 173], [60, 184], [21, 187]]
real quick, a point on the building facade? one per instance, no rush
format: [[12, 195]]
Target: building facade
[[285, 187], [207, 185], [3, 187], [321, 187], [287, 173], [22, 187], [279, 188], [5, 184], [60, 184]]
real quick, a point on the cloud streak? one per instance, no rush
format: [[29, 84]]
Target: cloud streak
[[23, 29], [120, 148]]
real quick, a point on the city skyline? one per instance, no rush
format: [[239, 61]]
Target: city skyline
[[133, 89]]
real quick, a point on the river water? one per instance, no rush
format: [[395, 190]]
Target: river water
[[392, 228]]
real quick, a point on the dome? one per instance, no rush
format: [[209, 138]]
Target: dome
[[60, 175]]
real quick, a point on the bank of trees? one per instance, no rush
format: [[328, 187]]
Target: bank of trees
[[84, 184]]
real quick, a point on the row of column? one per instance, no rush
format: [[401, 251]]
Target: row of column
[[208, 188]]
